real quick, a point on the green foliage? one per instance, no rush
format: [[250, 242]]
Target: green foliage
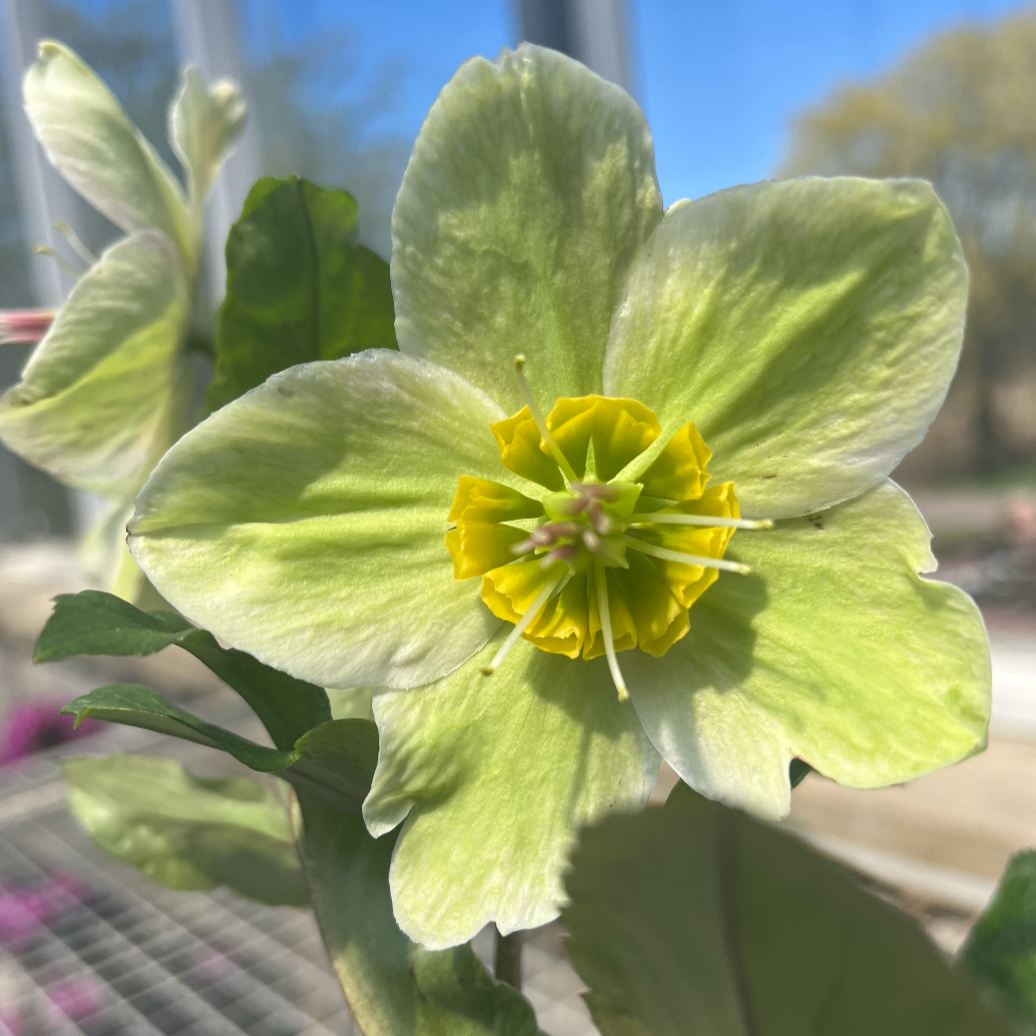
[[798, 771], [393, 986], [695, 919], [329, 760], [299, 287], [1002, 945], [95, 623], [187, 832], [138, 706], [347, 748]]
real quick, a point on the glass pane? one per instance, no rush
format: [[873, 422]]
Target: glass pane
[[339, 91]]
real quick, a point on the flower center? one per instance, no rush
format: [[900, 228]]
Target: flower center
[[614, 539]]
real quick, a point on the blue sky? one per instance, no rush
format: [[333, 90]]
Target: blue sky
[[719, 79]]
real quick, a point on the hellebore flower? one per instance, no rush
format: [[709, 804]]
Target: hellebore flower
[[411, 520], [108, 389]]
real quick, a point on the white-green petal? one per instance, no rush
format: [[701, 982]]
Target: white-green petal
[[495, 776], [89, 139], [530, 188], [304, 521], [834, 650], [106, 391], [105, 558], [809, 328], [203, 126]]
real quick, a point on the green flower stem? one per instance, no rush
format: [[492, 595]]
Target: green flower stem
[[507, 964], [393, 986]]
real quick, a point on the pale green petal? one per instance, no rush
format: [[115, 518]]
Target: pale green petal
[[530, 188], [834, 650], [106, 391], [105, 558], [497, 775], [203, 126], [304, 521], [89, 139], [809, 328]]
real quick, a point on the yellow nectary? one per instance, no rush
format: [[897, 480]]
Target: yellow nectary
[[641, 549]]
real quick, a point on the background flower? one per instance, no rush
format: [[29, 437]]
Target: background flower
[[108, 390]]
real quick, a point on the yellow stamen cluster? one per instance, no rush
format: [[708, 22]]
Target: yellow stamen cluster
[[608, 558]]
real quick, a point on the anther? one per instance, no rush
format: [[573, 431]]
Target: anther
[[592, 541], [707, 520], [547, 535], [601, 521], [686, 559], [558, 530], [534, 410], [606, 631], [577, 505], [525, 621], [567, 552]]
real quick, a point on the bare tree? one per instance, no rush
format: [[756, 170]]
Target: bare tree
[[961, 112]]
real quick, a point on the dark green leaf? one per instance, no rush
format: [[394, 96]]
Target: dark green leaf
[[137, 706], [342, 754], [95, 623], [299, 287], [394, 987], [798, 771], [187, 832], [696, 920], [334, 760], [1001, 948]]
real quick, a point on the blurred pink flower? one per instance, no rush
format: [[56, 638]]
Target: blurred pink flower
[[75, 998], [19, 918], [34, 725], [23, 911], [24, 325]]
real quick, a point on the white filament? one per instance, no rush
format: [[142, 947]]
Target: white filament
[[706, 520], [686, 559], [525, 621], [600, 578]]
